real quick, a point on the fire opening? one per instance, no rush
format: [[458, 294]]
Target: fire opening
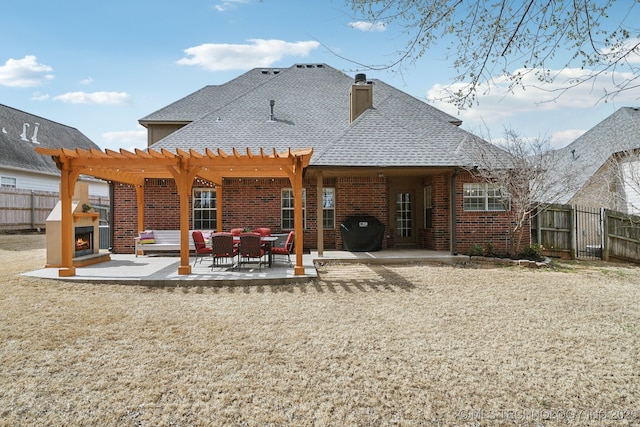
[[83, 241]]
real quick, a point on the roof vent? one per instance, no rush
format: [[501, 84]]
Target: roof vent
[[272, 118], [360, 79]]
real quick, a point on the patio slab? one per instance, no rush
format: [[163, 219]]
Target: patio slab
[[158, 270]]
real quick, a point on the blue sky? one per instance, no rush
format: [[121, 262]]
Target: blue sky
[[101, 66]]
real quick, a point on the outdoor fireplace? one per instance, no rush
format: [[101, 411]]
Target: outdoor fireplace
[[83, 241], [84, 229]]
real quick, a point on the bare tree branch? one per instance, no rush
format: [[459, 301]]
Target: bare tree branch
[[488, 38]]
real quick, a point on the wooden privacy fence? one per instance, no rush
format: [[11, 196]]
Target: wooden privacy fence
[[623, 236], [22, 210], [25, 209], [582, 232]]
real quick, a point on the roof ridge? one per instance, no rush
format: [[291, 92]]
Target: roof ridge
[[39, 117]]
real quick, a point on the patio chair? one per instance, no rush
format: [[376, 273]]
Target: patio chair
[[200, 244], [250, 248], [263, 231], [286, 249], [223, 248]]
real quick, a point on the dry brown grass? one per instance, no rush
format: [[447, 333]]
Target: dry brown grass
[[363, 345]]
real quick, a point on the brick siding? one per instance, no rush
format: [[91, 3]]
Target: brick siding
[[250, 202]]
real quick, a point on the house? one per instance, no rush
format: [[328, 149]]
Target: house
[[24, 173], [601, 168], [378, 153]]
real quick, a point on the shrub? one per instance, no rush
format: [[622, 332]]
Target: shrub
[[489, 249], [533, 252], [476, 250]]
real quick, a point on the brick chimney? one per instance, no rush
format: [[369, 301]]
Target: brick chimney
[[361, 97]]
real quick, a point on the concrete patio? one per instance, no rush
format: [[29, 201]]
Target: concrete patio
[[162, 270]]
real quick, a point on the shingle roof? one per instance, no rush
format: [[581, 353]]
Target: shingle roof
[[210, 98], [21, 132], [312, 110], [584, 156]]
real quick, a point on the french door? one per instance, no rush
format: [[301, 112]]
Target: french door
[[404, 217]]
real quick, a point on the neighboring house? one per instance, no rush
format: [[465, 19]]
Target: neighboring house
[[23, 171], [601, 168], [377, 152]]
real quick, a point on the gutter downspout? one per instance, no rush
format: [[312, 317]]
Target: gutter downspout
[[111, 215], [454, 219]]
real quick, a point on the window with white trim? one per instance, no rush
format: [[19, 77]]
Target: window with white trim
[[485, 197], [204, 209], [8, 181], [288, 211], [328, 208]]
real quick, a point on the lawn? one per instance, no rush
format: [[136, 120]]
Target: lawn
[[360, 346]]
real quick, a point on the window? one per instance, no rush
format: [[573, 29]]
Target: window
[[204, 209], [287, 209], [328, 208], [485, 197], [428, 208], [7, 181]]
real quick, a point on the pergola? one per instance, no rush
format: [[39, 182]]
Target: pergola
[[134, 167]]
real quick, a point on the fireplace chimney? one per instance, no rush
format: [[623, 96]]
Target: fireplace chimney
[[361, 96]]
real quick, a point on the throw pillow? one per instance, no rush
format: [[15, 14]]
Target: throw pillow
[[146, 237]]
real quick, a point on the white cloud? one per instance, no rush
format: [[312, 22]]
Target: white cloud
[[228, 5], [631, 45], [498, 103], [257, 53], [25, 72], [102, 98], [86, 81], [37, 96], [564, 137], [131, 139], [368, 26]]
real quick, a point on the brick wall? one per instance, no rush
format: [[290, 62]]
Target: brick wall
[[361, 196], [483, 228], [250, 202], [437, 237], [124, 218]]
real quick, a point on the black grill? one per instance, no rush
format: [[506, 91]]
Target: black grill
[[362, 234]]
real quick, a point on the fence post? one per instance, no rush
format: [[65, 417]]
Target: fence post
[[33, 210], [605, 234], [538, 226], [572, 231]]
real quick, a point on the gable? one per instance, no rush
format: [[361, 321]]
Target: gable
[[580, 160]]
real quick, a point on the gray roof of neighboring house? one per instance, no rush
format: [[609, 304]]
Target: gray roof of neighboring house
[[312, 110], [583, 157], [21, 132]]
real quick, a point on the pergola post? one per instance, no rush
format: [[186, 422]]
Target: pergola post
[[140, 200], [184, 180], [320, 214], [67, 185], [219, 206], [298, 270]]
